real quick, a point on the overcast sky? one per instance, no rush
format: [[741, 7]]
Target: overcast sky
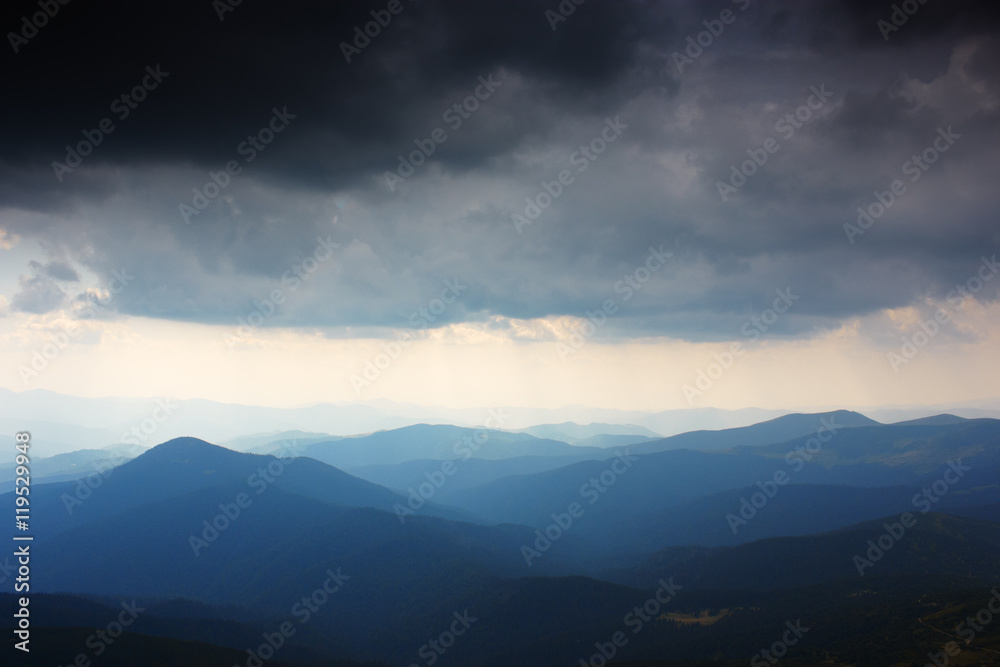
[[252, 203]]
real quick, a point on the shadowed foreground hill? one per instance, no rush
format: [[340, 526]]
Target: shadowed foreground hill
[[211, 635], [61, 646], [937, 544], [52, 646]]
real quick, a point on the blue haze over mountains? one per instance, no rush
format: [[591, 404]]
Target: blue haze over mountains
[[347, 502]]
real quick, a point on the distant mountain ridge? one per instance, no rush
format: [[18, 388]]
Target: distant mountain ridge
[[440, 442], [573, 433], [633, 507], [269, 443], [780, 429], [71, 465]]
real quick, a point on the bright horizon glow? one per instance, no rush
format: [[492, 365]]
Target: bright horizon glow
[[473, 364]]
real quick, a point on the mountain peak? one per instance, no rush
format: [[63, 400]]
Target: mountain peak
[[935, 420], [184, 443], [845, 417], [184, 450]]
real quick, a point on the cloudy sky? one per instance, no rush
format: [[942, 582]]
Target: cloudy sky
[[519, 203]]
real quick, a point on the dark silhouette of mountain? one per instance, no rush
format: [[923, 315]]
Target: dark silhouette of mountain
[[441, 442], [280, 538], [781, 429], [871, 621], [185, 465], [409, 577], [158, 510], [179, 619], [61, 646]]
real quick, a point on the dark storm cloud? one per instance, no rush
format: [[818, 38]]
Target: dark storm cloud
[[219, 81], [222, 77], [38, 294]]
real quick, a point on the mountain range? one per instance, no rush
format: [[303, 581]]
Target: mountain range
[[540, 551]]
